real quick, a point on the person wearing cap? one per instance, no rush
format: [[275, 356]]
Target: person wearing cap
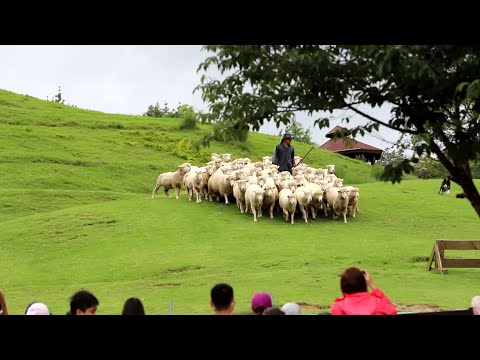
[[37, 308], [284, 153], [476, 305], [260, 302]]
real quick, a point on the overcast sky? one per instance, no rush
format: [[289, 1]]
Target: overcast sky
[[126, 79]]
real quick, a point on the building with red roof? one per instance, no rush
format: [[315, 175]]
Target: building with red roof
[[350, 147]]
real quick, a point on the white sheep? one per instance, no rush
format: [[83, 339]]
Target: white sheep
[[270, 197], [285, 175], [288, 203], [337, 182], [226, 157], [220, 185], [300, 180], [297, 159], [172, 180], [193, 181], [251, 180], [353, 195], [267, 161], [239, 189], [330, 169], [304, 198], [337, 199], [254, 199], [317, 198], [288, 184]]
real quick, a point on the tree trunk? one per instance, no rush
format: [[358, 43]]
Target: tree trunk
[[460, 175], [469, 189]]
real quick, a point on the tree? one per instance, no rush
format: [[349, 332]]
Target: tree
[[298, 132], [162, 112], [434, 92]]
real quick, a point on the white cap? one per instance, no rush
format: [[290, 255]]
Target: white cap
[[37, 309], [291, 309], [476, 302]]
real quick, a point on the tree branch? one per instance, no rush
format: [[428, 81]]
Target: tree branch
[[381, 122], [441, 156]]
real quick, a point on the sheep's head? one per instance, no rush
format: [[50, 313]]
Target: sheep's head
[[292, 199], [343, 193], [242, 185], [210, 169], [258, 194], [226, 157], [338, 182], [230, 180], [185, 167], [268, 189]]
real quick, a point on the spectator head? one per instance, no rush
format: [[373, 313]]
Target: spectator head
[[221, 299], [291, 309], [3, 305], [260, 302], [273, 311], [353, 281], [37, 308], [133, 306], [83, 302], [476, 305]]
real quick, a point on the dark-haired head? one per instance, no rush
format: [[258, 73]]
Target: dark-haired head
[[353, 281], [221, 296], [273, 311], [83, 302], [133, 306]]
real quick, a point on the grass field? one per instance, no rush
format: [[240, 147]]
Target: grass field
[[76, 212]]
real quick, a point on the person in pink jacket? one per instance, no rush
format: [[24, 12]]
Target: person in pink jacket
[[357, 300]]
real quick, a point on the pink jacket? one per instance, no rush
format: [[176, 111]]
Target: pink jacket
[[363, 303]]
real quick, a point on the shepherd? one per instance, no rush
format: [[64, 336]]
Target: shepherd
[[283, 154]]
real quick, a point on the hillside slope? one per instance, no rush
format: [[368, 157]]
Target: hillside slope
[[48, 145]]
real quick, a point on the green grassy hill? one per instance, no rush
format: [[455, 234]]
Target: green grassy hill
[[76, 211]]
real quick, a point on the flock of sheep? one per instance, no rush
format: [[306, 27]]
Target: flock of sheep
[[259, 185]]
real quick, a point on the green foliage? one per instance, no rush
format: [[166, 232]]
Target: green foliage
[[434, 91], [189, 121], [392, 155], [298, 132], [223, 132], [429, 168]]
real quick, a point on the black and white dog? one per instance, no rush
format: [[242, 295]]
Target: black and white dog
[[445, 187]]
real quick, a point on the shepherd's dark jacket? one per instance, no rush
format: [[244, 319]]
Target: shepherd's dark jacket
[[283, 157]]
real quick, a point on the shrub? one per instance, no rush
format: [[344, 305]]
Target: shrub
[[189, 121]]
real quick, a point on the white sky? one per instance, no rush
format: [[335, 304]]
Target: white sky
[[126, 79]]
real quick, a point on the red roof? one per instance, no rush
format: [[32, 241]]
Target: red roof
[[334, 130], [345, 144]]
